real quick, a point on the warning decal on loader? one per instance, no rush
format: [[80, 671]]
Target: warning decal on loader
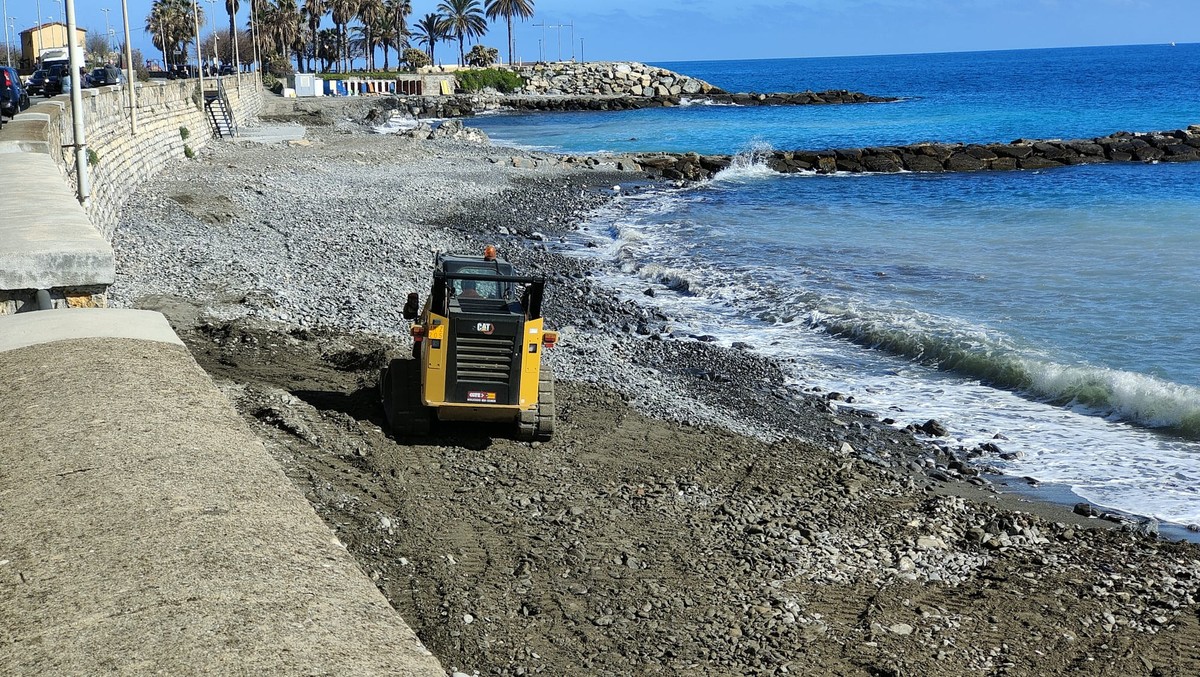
[[481, 396]]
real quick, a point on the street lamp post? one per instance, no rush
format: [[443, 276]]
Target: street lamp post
[[199, 70], [107, 28], [254, 38], [211, 3], [237, 57], [82, 181], [7, 44], [37, 50], [129, 71]]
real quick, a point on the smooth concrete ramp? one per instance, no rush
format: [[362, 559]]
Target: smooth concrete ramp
[[46, 239], [27, 329], [145, 530]]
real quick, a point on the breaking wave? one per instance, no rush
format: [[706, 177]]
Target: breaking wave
[[993, 360], [748, 165]]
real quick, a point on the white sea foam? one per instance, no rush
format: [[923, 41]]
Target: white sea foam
[[1082, 444], [704, 102], [748, 165], [397, 122]]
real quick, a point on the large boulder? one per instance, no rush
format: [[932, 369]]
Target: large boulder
[[1018, 151], [883, 162], [1038, 162], [922, 163], [964, 162]]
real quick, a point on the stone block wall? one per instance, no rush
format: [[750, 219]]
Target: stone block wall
[[122, 160], [60, 246]]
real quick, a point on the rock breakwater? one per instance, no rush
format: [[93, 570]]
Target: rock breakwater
[[625, 81], [601, 86], [1181, 145], [609, 78]]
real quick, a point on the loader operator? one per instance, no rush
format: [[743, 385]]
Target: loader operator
[[469, 291]]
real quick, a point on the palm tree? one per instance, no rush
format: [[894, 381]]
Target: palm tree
[[314, 10], [327, 47], [397, 12], [172, 25], [509, 9], [369, 14], [385, 37], [279, 23], [231, 7], [342, 11], [430, 29], [464, 19]]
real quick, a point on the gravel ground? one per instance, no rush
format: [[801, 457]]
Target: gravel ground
[[692, 515]]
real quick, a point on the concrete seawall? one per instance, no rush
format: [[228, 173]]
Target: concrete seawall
[[145, 528], [44, 226]]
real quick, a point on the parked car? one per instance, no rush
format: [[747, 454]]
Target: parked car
[[13, 97], [54, 80], [35, 82], [106, 75]]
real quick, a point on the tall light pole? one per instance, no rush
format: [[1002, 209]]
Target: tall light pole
[[37, 30], [107, 28], [129, 71], [254, 38], [210, 14], [237, 56], [82, 181], [542, 43], [199, 71], [7, 44]]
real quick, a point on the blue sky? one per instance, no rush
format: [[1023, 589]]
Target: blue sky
[[684, 30]]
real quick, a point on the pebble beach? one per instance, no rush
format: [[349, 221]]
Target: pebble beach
[[694, 515]]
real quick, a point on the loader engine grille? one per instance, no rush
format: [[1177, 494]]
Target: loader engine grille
[[485, 360]]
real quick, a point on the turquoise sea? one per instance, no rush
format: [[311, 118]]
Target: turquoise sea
[[1057, 308]]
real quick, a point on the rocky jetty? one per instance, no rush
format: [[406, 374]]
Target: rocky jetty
[[1181, 145], [610, 78], [600, 86]]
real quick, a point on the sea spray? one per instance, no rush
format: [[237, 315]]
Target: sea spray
[[748, 165]]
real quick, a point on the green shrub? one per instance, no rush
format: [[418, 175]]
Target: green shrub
[[188, 152], [415, 58], [482, 57], [281, 67], [271, 82], [502, 80], [93, 158], [184, 133]]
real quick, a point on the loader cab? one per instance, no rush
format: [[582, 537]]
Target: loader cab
[[474, 285]]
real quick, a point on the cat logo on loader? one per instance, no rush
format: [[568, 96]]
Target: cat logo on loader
[[477, 352]]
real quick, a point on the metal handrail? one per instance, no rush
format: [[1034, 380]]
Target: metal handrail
[[230, 118]]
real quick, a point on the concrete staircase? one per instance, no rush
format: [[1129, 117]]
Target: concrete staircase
[[220, 113]]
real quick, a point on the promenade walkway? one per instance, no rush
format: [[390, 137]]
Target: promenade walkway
[[144, 529]]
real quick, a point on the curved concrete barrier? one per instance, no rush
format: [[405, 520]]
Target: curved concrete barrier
[[144, 529]]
